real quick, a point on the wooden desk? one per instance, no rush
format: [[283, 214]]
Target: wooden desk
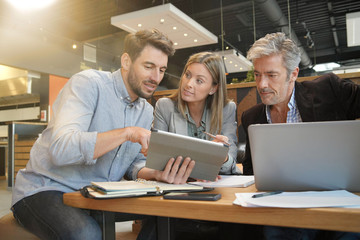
[[341, 219]]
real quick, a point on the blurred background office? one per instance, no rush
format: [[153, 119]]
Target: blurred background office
[[42, 46]]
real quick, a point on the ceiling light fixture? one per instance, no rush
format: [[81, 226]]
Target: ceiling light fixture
[[27, 5], [234, 61], [169, 20], [325, 66]]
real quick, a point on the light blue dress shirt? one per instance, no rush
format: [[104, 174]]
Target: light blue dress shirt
[[62, 157]]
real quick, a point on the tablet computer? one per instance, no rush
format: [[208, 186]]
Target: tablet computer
[[208, 156]]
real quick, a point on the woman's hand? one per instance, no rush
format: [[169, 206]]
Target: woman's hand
[[221, 139]]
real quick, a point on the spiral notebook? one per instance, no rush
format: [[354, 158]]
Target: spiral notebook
[[135, 188]]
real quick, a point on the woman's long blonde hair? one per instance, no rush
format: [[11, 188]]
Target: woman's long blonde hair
[[216, 101]]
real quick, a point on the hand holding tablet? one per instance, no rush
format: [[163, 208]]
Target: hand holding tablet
[[208, 155]]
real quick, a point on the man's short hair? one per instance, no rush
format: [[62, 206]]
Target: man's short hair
[[135, 42]]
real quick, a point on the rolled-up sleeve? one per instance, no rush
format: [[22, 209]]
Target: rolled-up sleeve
[[135, 167], [71, 140]]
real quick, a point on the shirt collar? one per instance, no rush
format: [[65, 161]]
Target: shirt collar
[[291, 105], [292, 102], [203, 118]]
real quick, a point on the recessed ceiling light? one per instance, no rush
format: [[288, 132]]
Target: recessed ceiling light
[[174, 28], [139, 25]]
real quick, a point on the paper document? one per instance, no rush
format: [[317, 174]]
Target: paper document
[[228, 181], [310, 199]]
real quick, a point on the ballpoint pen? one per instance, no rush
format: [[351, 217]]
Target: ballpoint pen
[[213, 136], [265, 194]]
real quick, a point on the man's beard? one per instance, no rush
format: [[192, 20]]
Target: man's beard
[[135, 85]]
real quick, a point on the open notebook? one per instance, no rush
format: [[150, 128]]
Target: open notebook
[[135, 188]]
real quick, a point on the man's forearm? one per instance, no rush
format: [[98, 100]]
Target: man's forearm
[[107, 141]]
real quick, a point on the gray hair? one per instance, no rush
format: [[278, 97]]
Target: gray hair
[[276, 43]]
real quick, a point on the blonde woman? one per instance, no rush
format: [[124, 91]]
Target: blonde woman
[[200, 105]]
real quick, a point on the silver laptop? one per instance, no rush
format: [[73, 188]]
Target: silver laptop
[[306, 156]]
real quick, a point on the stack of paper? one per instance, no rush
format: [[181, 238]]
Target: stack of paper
[[228, 181], [311, 199]]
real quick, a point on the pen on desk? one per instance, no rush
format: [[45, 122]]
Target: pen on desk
[[265, 194], [213, 136]]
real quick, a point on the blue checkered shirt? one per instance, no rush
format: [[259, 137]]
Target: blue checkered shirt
[[293, 115]]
